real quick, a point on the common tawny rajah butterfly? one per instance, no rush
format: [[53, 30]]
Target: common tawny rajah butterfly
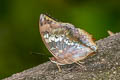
[[65, 42]]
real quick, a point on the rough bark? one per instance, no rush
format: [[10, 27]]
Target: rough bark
[[104, 65]]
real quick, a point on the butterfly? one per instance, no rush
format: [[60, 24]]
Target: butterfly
[[66, 43]]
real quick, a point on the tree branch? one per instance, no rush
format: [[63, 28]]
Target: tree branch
[[104, 65]]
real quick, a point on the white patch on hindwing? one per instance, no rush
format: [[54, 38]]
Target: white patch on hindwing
[[59, 41], [46, 35]]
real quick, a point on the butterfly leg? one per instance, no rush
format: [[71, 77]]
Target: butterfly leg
[[78, 63], [59, 68], [54, 60], [81, 62]]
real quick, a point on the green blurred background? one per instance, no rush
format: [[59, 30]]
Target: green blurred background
[[19, 33]]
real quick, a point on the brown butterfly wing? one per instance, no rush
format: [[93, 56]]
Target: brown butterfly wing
[[63, 40]]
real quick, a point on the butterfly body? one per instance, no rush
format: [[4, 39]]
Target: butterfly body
[[65, 42]]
